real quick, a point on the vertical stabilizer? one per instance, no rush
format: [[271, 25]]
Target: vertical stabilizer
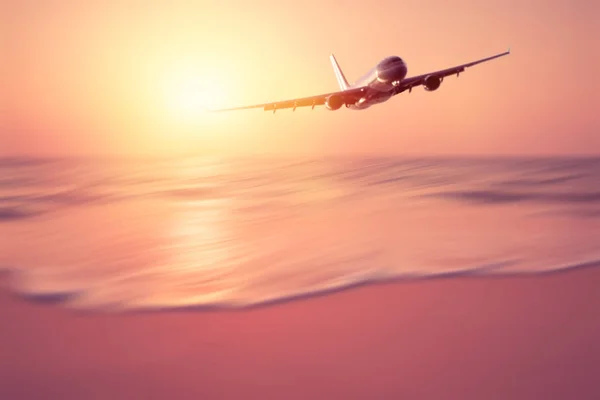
[[339, 74]]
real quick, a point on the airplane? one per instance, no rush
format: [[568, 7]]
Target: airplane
[[381, 83]]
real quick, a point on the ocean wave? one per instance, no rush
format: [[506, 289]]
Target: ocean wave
[[532, 181], [122, 294], [497, 196], [16, 213], [19, 162]]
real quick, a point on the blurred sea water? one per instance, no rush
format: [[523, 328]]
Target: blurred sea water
[[116, 234]]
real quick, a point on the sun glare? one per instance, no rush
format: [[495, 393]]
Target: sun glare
[[190, 92]]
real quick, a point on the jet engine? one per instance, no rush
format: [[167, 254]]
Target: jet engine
[[432, 83], [334, 102]]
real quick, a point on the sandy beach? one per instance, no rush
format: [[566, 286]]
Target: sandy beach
[[534, 337]]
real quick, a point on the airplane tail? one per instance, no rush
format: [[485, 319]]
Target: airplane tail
[[339, 74]]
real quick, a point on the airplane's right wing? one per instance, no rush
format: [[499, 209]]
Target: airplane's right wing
[[411, 82], [345, 96]]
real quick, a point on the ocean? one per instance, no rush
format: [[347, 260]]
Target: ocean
[[130, 234]]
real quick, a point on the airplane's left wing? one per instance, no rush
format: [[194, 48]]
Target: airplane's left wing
[[349, 96], [411, 82]]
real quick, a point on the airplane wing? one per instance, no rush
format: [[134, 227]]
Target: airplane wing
[[349, 96], [409, 83]]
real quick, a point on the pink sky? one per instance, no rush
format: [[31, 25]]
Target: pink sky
[[97, 79]]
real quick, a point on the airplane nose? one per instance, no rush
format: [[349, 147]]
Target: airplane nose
[[392, 73]]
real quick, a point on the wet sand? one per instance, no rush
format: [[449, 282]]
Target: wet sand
[[535, 337]]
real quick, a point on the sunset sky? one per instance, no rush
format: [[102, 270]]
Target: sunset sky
[[124, 77]]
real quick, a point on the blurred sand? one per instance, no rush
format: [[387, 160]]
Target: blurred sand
[[532, 337]]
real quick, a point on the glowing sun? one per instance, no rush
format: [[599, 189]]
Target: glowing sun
[[189, 93]]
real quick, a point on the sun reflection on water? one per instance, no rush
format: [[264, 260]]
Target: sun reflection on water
[[200, 243]]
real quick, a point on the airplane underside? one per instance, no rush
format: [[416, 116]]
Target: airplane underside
[[373, 97]]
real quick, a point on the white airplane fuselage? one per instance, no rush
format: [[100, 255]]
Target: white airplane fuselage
[[381, 82]]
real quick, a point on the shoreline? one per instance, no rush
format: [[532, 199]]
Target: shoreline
[[58, 299]]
